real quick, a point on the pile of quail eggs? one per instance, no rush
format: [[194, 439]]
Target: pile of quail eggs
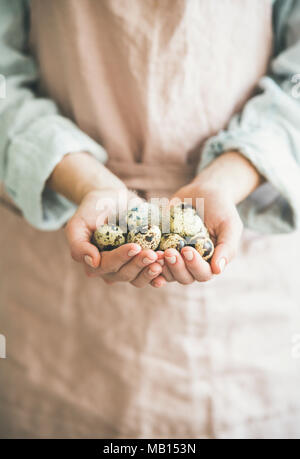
[[147, 227]]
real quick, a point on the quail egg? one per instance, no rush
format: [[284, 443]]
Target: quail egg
[[205, 247], [142, 215], [148, 237], [185, 222], [171, 241], [108, 237], [203, 234]]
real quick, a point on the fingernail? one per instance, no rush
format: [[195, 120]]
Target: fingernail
[[146, 261], [134, 252], [89, 261], [188, 255], [161, 262], [171, 260], [222, 264], [151, 273]]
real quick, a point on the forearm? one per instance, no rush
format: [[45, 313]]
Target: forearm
[[232, 173], [80, 173]]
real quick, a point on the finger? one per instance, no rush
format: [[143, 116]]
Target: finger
[[158, 282], [165, 270], [176, 265], [132, 269], [199, 268], [91, 272], [113, 261], [228, 241], [147, 275], [108, 281], [160, 257], [167, 274], [78, 236]]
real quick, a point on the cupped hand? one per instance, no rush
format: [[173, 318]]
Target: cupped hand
[[225, 228], [128, 263]]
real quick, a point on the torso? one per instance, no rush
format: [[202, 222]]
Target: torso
[[151, 80]]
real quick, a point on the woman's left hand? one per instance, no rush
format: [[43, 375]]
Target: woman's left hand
[[225, 227], [227, 181]]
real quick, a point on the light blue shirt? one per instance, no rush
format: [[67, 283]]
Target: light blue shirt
[[34, 137]]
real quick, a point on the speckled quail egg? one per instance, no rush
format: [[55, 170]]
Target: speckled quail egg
[[147, 237], [183, 206], [108, 237], [171, 241], [142, 215], [185, 222], [205, 247], [191, 240]]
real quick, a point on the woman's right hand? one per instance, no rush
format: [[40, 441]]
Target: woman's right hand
[[128, 263]]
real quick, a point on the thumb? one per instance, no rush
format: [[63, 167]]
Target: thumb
[[78, 236], [228, 241]]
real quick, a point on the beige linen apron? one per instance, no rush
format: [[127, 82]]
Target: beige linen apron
[[150, 80]]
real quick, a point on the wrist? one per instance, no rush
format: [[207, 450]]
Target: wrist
[[79, 174], [230, 174], [94, 178]]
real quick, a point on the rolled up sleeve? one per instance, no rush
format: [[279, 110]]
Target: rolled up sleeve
[[267, 132], [34, 137]]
